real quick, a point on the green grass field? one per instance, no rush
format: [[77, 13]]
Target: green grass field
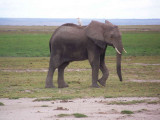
[[20, 42], [24, 52], [24, 45], [37, 45]]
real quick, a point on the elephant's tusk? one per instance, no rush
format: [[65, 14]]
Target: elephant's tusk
[[117, 50], [124, 50]]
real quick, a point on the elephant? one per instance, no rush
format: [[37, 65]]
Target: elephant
[[71, 42]]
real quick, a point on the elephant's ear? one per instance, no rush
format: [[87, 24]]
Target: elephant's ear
[[95, 32]]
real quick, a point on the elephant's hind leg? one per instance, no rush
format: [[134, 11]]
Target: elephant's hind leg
[[49, 79], [53, 64], [61, 82]]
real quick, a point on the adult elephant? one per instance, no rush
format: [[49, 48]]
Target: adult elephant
[[71, 42]]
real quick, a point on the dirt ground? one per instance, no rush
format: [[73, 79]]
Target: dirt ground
[[94, 108]]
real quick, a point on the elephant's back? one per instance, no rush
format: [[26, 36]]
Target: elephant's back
[[69, 34]]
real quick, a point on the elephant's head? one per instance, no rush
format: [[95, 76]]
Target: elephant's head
[[106, 33]]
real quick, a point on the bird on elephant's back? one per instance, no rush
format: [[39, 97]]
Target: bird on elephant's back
[[72, 42]]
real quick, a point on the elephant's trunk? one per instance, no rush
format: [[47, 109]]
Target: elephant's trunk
[[119, 66], [119, 48]]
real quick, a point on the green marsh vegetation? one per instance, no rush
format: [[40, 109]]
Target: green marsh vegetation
[[76, 115], [127, 112], [1, 104]]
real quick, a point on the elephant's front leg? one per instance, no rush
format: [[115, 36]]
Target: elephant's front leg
[[95, 71], [95, 63], [104, 69], [61, 82], [105, 73]]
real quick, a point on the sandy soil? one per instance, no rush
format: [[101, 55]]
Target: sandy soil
[[94, 108]]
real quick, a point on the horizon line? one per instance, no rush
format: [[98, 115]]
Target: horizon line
[[71, 18]]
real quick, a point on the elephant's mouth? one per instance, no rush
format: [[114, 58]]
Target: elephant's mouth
[[116, 48], [119, 51]]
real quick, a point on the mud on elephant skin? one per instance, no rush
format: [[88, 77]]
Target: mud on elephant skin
[[71, 42]]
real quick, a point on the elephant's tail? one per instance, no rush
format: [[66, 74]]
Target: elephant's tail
[[50, 46]]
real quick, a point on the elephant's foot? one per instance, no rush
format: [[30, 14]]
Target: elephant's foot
[[95, 86], [64, 85], [49, 86], [102, 82]]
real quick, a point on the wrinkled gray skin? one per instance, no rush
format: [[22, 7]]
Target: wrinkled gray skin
[[71, 42]]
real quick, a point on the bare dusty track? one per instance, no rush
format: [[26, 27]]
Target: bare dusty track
[[94, 108], [38, 70]]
